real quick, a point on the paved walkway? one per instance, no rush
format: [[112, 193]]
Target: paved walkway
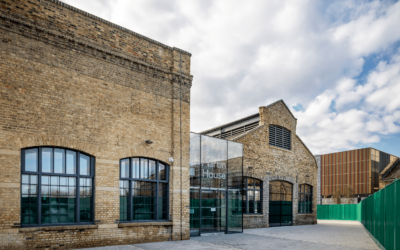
[[326, 235]]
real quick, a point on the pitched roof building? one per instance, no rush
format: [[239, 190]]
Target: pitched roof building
[[280, 172], [390, 173]]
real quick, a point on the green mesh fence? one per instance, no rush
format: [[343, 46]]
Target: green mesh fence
[[378, 213]]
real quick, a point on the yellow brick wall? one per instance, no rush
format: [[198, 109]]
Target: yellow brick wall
[[71, 80], [269, 163]]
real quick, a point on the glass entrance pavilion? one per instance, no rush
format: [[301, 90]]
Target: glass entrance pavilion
[[216, 170]]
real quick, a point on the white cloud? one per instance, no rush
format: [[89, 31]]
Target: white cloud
[[246, 54], [377, 112]]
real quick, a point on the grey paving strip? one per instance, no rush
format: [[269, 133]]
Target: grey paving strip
[[254, 242], [123, 247], [183, 245], [345, 234]]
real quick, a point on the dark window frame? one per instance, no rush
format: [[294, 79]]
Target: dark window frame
[[302, 206], [245, 195], [39, 174], [280, 140], [156, 180]]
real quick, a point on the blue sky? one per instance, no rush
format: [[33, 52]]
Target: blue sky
[[336, 64]]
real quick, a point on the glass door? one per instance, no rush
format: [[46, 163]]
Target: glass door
[[235, 215], [213, 211], [194, 212]]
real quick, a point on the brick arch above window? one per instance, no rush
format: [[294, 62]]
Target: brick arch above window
[[57, 141]]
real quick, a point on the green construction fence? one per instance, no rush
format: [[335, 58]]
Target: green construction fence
[[379, 213]]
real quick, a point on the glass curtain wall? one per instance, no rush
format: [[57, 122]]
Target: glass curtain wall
[[216, 170]]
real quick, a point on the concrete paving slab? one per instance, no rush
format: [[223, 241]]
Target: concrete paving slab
[[340, 233], [249, 242], [326, 235]]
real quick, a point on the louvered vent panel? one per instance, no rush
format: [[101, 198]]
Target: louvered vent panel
[[237, 131], [279, 137]]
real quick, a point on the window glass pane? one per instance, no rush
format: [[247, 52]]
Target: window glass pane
[[162, 171], [152, 170], [123, 200], [71, 162], [84, 165], [46, 180], [59, 161], [54, 180], [34, 179], [29, 200], [250, 201], [64, 181], [31, 160], [47, 160], [135, 168], [144, 169], [125, 168], [72, 181], [86, 193], [162, 201], [250, 183], [257, 207], [144, 201], [244, 202], [25, 179], [25, 189], [257, 184]]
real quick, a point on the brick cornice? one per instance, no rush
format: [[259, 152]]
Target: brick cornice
[[89, 48]]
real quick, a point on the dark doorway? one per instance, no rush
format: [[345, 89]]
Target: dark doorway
[[280, 203]]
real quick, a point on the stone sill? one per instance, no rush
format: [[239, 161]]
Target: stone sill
[[144, 224], [253, 215], [278, 148], [305, 214], [56, 228]]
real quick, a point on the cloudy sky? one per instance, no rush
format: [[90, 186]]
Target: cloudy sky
[[336, 64]]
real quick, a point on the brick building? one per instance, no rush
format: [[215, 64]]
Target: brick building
[[358, 169], [280, 173], [94, 131], [390, 173]]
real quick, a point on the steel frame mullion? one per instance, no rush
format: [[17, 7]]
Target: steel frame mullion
[[39, 188], [78, 184], [130, 192], [157, 189], [226, 191]]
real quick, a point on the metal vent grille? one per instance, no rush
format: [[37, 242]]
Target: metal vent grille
[[237, 131], [279, 137]]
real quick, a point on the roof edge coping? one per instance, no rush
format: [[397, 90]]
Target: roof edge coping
[[70, 7]]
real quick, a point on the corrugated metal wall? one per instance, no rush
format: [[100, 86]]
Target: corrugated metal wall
[[379, 213], [350, 168]]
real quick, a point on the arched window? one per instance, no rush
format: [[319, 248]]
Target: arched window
[[252, 196], [143, 190], [305, 199], [279, 137], [56, 187]]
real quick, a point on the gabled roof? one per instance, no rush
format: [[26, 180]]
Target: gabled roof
[[392, 165], [245, 119], [272, 104]]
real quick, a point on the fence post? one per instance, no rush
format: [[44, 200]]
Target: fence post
[[396, 204]]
